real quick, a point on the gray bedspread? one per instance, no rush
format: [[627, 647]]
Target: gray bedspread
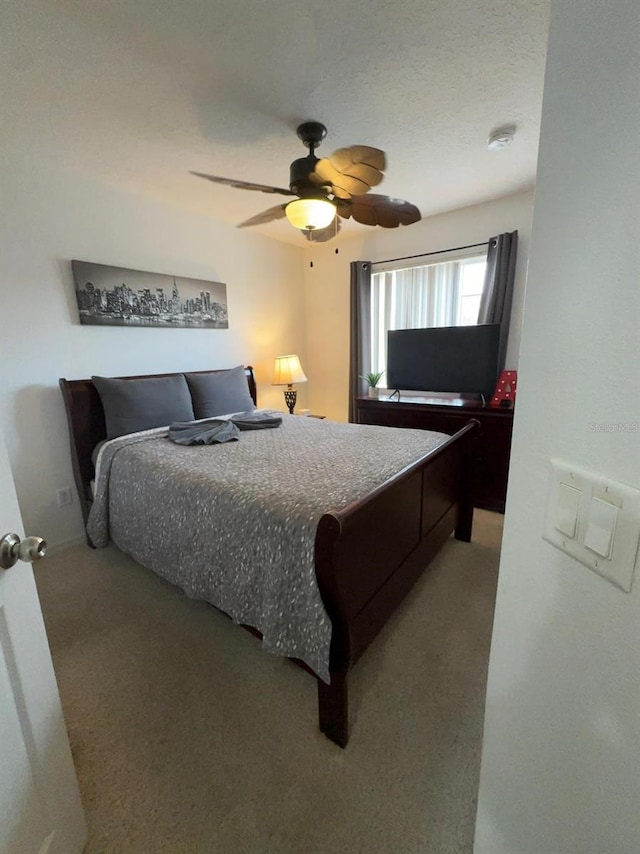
[[234, 524]]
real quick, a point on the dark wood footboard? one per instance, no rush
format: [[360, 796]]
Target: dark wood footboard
[[370, 554]]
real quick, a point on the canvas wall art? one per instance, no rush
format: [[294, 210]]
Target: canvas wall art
[[115, 296]]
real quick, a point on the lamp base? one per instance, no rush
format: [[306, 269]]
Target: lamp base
[[290, 397]]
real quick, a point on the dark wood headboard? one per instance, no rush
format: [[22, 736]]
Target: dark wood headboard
[[85, 417]]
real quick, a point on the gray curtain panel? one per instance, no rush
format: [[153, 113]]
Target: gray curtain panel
[[359, 362], [495, 304]]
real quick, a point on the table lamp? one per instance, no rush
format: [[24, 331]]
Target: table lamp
[[287, 371]]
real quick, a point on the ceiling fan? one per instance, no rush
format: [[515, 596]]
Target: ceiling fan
[[338, 184]]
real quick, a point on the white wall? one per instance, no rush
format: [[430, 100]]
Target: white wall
[[561, 757], [51, 215], [327, 284]]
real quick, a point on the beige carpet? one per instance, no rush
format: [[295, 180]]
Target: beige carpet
[[188, 738]]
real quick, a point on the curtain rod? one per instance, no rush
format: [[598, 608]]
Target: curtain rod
[[426, 254]]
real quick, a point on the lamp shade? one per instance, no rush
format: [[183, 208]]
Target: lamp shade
[[288, 370], [310, 214]]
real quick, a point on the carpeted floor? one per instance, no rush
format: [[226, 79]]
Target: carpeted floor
[[188, 738]]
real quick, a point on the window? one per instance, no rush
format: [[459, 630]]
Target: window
[[441, 293]]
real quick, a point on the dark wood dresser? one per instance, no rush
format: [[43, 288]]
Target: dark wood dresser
[[447, 414]]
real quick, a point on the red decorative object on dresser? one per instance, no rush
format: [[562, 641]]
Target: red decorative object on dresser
[[505, 393]]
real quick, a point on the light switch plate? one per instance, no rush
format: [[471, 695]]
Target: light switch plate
[[619, 567]]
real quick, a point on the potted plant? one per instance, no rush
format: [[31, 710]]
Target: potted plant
[[372, 379]]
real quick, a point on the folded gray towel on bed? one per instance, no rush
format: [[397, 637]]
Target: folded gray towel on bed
[[210, 432], [218, 430], [255, 420]]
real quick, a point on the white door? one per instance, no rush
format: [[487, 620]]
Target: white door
[[40, 807]]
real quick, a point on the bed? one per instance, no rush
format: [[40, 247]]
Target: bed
[[367, 549]]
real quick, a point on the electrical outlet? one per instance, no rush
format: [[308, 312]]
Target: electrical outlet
[[65, 496]]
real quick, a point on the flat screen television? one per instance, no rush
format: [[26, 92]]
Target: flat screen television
[[461, 359]]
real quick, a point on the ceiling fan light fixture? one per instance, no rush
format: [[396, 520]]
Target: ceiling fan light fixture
[[310, 214], [323, 192]]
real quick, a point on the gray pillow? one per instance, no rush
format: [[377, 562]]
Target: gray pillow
[[140, 404], [220, 392]]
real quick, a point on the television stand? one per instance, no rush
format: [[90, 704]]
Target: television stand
[[447, 413]]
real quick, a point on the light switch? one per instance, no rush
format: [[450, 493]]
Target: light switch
[[568, 509], [594, 520], [601, 528]]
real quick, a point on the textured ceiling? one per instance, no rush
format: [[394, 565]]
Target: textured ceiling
[[139, 92]]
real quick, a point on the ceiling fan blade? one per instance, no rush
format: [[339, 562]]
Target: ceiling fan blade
[[384, 211], [343, 157], [243, 185], [269, 215], [321, 235], [351, 171]]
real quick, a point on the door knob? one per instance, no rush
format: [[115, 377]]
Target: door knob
[[13, 549]]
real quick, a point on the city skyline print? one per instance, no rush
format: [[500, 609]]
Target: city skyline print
[[117, 296]]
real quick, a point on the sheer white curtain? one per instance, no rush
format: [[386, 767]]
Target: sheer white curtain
[[410, 298]]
